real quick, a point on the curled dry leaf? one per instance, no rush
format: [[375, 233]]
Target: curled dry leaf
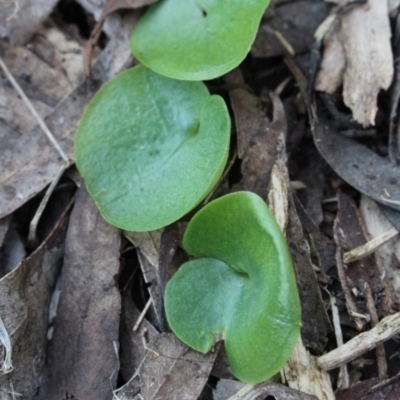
[[24, 301], [81, 358]]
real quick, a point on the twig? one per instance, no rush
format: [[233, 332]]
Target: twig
[[35, 220], [380, 349], [344, 380], [387, 328], [369, 247], [32, 109], [142, 315]]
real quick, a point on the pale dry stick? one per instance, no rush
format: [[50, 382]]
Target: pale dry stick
[[366, 341], [142, 315], [35, 220], [369, 247], [5, 341], [15, 12], [281, 87], [380, 349], [33, 111], [344, 380]]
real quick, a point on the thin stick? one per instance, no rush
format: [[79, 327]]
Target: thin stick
[[369, 247], [387, 328], [380, 349], [142, 315], [35, 220], [344, 380], [32, 109]]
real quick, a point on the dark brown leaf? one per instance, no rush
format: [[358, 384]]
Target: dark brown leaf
[[349, 234], [82, 360], [257, 136]]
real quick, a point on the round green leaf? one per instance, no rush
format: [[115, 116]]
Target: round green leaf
[[196, 39], [150, 148], [242, 287]]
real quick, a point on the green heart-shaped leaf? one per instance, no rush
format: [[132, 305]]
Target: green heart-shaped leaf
[[196, 39], [241, 287], [150, 148]]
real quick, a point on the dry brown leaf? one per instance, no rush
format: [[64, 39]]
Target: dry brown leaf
[[372, 389], [349, 233], [389, 254], [172, 370], [20, 19], [29, 162], [133, 344], [24, 307], [257, 136], [365, 34], [81, 358]]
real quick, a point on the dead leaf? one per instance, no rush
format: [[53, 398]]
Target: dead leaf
[[133, 344], [173, 371], [354, 276], [156, 250], [29, 161], [359, 166], [257, 136], [20, 19], [81, 358], [270, 389], [24, 307], [389, 254], [372, 389], [291, 18], [227, 388]]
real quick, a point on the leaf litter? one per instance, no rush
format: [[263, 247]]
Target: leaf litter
[[339, 170]]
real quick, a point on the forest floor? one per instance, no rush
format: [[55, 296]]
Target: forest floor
[[317, 97]]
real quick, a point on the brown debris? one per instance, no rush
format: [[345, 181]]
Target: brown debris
[[349, 233], [81, 359], [24, 307], [172, 370], [257, 136]]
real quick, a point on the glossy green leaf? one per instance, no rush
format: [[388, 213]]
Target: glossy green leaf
[[242, 287], [196, 39], [150, 148]]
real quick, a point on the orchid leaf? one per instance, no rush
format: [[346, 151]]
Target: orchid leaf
[[196, 39], [150, 148], [241, 287]]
